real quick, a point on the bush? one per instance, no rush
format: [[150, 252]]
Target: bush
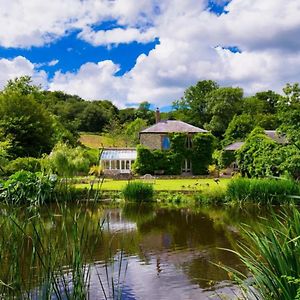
[[30, 164], [27, 187], [138, 191], [262, 190]]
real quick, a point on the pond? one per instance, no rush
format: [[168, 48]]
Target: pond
[[142, 251]]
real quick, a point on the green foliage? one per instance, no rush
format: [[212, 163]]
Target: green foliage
[[272, 258], [21, 86], [201, 153], [4, 154], [138, 191], [260, 156], [222, 105], [133, 128], [25, 187], [30, 164], [67, 161], [238, 128], [170, 161], [225, 158], [263, 190], [194, 103], [26, 124], [254, 158]]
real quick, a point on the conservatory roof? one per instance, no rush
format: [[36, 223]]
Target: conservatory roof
[[118, 154]]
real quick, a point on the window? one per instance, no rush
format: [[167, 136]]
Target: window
[[186, 166], [165, 142], [188, 142]]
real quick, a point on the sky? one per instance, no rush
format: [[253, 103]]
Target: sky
[[129, 51]]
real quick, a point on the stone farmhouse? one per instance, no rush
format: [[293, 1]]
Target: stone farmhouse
[[119, 160]]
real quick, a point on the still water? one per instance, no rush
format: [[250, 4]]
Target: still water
[[150, 252]]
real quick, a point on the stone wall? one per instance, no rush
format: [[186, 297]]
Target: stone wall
[[151, 140]]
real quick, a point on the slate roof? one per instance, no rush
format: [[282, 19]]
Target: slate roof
[[235, 146], [169, 126], [119, 154]]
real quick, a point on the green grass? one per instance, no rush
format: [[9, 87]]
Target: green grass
[[200, 184], [97, 141]]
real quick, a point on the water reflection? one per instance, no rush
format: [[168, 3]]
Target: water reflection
[[158, 253]]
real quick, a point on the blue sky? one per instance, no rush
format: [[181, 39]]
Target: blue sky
[[129, 51]]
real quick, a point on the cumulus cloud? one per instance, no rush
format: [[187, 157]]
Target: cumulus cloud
[[19, 66], [93, 81], [193, 44], [116, 36]]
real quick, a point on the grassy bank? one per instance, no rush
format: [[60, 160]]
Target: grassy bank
[[96, 141]]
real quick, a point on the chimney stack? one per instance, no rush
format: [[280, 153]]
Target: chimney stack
[[157, 115]]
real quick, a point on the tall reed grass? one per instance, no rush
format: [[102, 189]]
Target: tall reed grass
[[272, 257], [51, 257], [138, 191], [265, 191]]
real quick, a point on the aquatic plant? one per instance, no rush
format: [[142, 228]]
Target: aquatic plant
[[272, 257], [275, 191], [138, 191]]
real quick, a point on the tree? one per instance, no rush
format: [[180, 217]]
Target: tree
[[238, 128], [194, 101], [144, 112], [27, 124], [133, 128], [289, 113], [221, 105], [22, 86]]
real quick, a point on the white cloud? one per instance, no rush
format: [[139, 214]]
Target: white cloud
[[191, 44], [93, 81], [19, 66], [116, 36]]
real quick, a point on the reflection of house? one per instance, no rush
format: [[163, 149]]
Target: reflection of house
[[157, 136]]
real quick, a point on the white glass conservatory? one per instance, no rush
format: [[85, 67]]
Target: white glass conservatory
[[117, 160]]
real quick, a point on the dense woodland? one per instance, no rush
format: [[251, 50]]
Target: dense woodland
[[35, 123]]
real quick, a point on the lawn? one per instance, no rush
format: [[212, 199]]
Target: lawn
[[167, 184]]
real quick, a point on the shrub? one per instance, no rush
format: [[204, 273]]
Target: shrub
[[27, 187], [138, 191], [30, 164], [272, 257], [262, 190]]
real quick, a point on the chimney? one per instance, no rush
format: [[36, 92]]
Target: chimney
[[157, 115]]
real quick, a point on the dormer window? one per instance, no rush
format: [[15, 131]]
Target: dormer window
[[165, 142]]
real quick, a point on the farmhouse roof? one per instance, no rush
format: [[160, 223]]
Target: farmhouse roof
[[169, 126]]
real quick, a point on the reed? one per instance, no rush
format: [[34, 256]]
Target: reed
[[272, 257], [138, 191], [53, 258], [265, 191]]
